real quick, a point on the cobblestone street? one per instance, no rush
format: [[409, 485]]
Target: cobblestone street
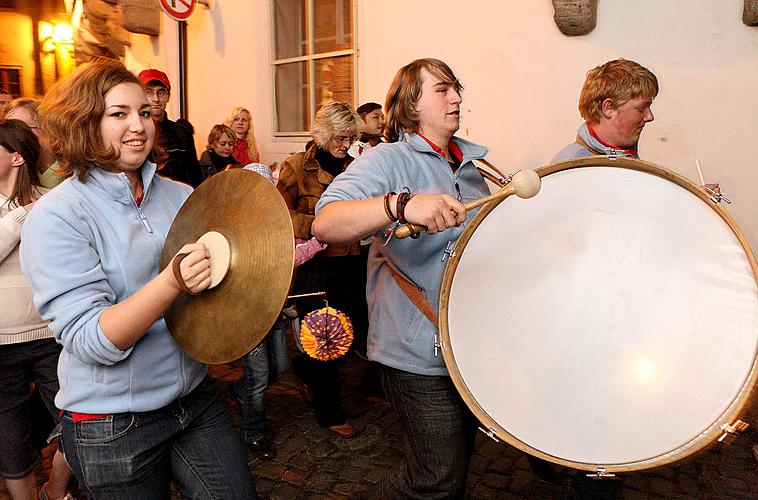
[[312, 463]]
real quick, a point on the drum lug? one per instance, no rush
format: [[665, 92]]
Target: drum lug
[[449, 251], [731, 431], [491, 433], [600, 473], [439, 344], [614, 154]]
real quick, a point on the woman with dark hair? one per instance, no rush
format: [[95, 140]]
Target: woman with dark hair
[[28, 351], [137, 411], [25, 109]]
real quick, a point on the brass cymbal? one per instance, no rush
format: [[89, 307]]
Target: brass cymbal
[[224, 323]]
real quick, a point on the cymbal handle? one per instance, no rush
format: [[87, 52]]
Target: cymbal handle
[[175, 263]]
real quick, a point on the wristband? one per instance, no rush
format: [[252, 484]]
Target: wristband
[[402, 200], [387, 206], [178, 273]]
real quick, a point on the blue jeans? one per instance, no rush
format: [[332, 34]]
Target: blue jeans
[[263, 365], [439, 432], [136, 455]]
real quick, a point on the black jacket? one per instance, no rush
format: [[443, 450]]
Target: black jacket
[[178, 145]]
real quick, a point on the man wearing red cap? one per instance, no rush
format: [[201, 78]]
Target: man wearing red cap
[[176, 140]]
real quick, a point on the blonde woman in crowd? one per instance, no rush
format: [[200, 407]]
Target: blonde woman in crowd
[[245, 148], [337, 270]]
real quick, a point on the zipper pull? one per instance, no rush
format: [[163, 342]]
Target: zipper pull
[[458, 190], [143, 219]]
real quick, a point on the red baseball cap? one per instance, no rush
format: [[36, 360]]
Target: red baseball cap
[[154, 75]]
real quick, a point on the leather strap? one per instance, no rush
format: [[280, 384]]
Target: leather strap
[[178, 273], [414, 293], [586, 146]]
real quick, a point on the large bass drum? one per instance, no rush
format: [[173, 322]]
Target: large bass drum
[[610, 322]]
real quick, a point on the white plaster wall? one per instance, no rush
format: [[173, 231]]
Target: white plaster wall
[[522, 76]]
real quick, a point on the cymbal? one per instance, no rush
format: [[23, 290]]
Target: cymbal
[[224, 323]]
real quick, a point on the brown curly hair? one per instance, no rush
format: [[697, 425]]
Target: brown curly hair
[[71, 111]]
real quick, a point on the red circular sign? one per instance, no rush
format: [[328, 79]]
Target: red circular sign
[[181, 10]]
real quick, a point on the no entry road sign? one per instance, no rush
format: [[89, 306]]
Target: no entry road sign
[[181, 10]]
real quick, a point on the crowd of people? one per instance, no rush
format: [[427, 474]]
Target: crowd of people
[[85, 211]]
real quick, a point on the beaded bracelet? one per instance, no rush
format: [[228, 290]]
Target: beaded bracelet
[[387, 206]]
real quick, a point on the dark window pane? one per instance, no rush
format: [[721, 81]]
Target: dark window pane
[[291, 28], [334, 80], [292, 106], [10, 81], [333, 25]]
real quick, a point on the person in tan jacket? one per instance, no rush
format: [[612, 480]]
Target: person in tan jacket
[[304, 177]]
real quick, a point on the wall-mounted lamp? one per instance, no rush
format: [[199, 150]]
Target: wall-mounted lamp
[[56, 36]]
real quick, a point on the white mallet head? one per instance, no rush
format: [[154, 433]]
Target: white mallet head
[[526, 183]]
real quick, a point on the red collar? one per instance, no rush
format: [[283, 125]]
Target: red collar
[[452, 147], [631, 152]]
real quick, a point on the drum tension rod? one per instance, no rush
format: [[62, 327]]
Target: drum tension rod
[[731, 431], [449, 251], [717, 197], [438, 345], [490, 433], [600, 473]]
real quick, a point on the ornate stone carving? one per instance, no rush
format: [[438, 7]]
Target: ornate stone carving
[[750, 13], [575, 17]]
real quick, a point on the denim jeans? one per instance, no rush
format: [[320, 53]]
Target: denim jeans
[[439, 433], [135, 455], [263, 365]]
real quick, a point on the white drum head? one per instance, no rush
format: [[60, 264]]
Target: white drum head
[[611, 320]]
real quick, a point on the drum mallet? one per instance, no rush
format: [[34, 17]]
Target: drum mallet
[[525, 184]]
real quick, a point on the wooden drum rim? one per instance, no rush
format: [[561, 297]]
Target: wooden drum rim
[[698, 443]]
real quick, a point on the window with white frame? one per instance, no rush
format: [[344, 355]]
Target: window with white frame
[[313, 60]]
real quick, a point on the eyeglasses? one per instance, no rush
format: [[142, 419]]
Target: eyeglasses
[[341, 139], [161, 93]]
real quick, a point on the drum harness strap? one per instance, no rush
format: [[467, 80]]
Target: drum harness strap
[[412, 291], [612, 154], [415, 295]]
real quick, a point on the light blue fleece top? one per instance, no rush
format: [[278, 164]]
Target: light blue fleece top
[[400, 335], [575, 150], [84, 247]]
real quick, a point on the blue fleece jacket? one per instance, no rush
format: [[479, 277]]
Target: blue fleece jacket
[[575, 150], [87, 246], [400, 335]]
